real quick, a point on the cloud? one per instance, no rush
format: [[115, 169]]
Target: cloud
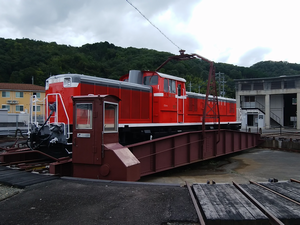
[[77, 22], [253, 56], [233, 31]]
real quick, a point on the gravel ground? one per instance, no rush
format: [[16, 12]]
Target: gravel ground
[[7, 191]]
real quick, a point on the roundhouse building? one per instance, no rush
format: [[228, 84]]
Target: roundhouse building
[[268, 102]]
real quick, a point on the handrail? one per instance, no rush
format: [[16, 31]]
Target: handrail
[[58, 97], [33, 114], [261, 107]]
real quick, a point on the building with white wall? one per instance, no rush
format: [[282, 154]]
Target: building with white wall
[[268, 102]]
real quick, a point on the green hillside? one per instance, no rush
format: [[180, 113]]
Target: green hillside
[[22, 59]]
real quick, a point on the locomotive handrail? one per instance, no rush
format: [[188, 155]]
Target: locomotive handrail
[[56, 112], [33, 102], [33, 114]]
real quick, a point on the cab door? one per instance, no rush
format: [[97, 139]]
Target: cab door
[[169, 109], [84, 142]]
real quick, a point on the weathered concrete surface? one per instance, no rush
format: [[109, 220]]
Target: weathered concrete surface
[[256, 164], [86, 202]]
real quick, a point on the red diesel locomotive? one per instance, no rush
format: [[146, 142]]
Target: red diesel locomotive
[[152, 105]]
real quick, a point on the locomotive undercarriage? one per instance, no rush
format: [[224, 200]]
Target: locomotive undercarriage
[[52, 138]]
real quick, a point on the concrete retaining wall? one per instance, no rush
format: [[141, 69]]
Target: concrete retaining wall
[[281, 143]]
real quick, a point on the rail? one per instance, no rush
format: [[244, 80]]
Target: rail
[[33, 113], [261, 107], [274, 220], [58, 99]]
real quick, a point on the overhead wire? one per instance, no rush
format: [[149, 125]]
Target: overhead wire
[[153, 24]]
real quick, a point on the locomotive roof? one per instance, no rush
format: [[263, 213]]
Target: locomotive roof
[[77, 78], [193, 94], [171, 77]]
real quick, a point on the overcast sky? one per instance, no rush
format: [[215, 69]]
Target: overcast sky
[[239, 32]]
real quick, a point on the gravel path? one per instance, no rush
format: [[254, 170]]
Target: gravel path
[[7, 191]]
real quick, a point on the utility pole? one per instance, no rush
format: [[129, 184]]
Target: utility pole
[[190, 85], [221, 78]]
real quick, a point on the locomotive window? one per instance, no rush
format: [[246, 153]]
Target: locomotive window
[[166, 85], [173, 86], [179, 89], [151, 80], [110, 117], [154, 80], [84, 115], [146, 80]]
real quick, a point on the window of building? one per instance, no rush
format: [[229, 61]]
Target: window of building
[[5, 94], [289, 84], [294, 101], [37, 94], [246, 87], [38, 108], [275, 85], [19, 108], [19, 94], [258, 86], [6, 107], [249, 98]]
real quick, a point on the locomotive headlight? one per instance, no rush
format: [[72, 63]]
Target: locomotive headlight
[[47, 85], [67, 82]]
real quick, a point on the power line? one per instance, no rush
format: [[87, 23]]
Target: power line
[[152, 24]]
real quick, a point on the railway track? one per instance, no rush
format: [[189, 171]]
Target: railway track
[[253, 203], [25, 159]]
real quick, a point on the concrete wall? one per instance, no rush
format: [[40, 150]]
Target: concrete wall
[[282, 144]]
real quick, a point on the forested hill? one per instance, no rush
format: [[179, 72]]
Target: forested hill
[[22, 59]]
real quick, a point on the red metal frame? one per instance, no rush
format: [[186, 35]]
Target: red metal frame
[[185, 148], [209, 111]]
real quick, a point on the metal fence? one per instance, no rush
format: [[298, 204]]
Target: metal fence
[[11, 122]]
